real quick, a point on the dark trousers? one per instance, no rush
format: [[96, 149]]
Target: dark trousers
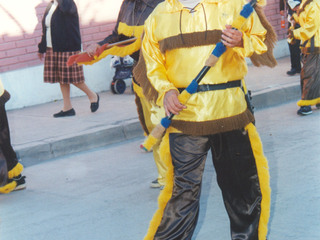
[[310, 77], [5, 141], [3, 170], [237, 178], [295, 51], [295, 55]]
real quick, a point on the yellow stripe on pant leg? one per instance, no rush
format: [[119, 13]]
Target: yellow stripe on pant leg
[[308, 102], [166, 193], [161, 166], [8, 187], [16, 171], [264, 180]]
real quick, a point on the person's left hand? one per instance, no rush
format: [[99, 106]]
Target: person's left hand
[[290, 33], [92, 49], [40, 56], [231, 37]]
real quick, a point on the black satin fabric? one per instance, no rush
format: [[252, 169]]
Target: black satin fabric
[[236, 175], [5, 141], [132, 13], [3, 170]]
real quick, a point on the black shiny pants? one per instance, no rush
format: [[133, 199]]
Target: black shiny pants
[[237, 178], [5, 141]]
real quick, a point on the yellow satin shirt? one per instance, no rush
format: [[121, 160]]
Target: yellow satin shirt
[[1, 88], [177, 67], [309, 21]]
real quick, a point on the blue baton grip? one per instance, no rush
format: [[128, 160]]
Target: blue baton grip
[[219, 49], [165, 122], [192, 88], [246, 10]]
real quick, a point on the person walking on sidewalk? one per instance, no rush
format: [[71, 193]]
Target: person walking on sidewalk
[[130, 22], [308, 17], [294, 47], [14, 180], [179, 37], [61, 39]]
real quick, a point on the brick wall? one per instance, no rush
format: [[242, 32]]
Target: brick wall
[[272, 12], [19, 48]]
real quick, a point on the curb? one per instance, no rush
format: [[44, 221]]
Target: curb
[[277, 95], [37, 152]]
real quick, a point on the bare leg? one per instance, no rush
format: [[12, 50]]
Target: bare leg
[[65, 90], [93, 97]]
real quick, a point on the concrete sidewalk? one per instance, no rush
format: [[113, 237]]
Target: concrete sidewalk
[[37, 136]]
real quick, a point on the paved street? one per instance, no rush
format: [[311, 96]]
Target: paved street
[[104, 194]]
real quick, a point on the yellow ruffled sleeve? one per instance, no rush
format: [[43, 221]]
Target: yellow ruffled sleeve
[[253, 37], [310, 24], [155, 62], [1, 88]]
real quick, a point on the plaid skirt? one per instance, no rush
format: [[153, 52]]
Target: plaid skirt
[[57, 71]]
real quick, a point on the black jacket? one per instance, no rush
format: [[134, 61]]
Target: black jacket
[[65, 30]]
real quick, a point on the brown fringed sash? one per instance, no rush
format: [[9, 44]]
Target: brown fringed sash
[[267, 58], [140, 76], [140, 114], [187, 40], [215, 126]]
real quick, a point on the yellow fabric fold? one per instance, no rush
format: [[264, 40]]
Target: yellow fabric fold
[[129, 31], [16, 171], [1, 88], [309, 20], [264, 179], [308, 102], [8, 187], [166, 193]]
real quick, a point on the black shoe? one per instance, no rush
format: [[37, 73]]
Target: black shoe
[[95, 105], [68, 113], [156, 184], [14, 184], [21, 182], [304, 110], [293, 71]]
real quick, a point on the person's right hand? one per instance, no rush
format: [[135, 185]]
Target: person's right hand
[[171, 103], [282, 13], [92, 49], [40, 56]]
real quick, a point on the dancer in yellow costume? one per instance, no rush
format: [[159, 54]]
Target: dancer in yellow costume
[[130, 22], [14, 179], [308, 17], [179, 37]]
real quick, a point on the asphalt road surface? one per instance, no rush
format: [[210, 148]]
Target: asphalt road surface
[[104, 194]]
